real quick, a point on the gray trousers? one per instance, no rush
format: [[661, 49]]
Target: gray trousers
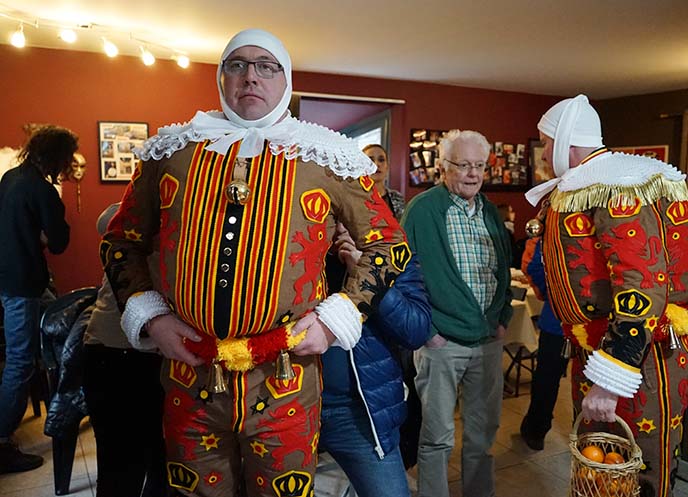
[[444, 374]]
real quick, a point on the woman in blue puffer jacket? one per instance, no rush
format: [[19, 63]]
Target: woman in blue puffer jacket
[[363, 392]]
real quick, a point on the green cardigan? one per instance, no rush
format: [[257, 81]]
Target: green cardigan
[[456, 314]]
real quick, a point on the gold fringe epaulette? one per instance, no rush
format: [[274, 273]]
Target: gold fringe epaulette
[[599, 195]]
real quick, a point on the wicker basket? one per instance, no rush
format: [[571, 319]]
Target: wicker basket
[[593, 479]]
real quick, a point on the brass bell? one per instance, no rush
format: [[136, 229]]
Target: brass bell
[[534, 228], [566, 349], [238, 192], [674, 341], [283, 369], [216, 378]]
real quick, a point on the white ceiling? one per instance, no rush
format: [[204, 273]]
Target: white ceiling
[[605, 48]]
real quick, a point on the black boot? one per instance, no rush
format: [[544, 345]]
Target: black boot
[[535, 443], [13, 460]]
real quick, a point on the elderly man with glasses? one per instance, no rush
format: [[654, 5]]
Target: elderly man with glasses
[[242, 205], [464, 253]]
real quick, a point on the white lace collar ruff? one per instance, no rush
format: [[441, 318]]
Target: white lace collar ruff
[[617, 169], [310, 142]]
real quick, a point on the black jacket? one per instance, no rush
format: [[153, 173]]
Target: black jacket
[[29, 205], [62, 329]]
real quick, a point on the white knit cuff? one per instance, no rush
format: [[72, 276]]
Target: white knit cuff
[[141, 308], [340, 315], [612, 374]]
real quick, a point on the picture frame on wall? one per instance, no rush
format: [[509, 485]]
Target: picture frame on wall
[[659, 152], [116, 143], [541, 171], [424, 170], [506, 168]]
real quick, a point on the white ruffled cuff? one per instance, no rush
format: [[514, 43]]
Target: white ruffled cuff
[[340, 315], [612, 374], [141, 308]]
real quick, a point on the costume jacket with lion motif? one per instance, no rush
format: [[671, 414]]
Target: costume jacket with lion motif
[[616, 252], [233, 270]]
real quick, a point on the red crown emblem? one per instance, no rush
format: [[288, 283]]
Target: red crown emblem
[[282, 388], [579, 224], [624, 210], [168, 190], [316, 205], [182, 373], [678, 212], [366, 182]]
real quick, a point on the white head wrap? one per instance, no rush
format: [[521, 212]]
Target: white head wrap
[[266, 41], [229, 128], [571, 122]]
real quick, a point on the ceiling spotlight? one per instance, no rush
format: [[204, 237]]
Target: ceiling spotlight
[[68, 35], [147, 57], [182, 61], [18, 39], [110, 48]]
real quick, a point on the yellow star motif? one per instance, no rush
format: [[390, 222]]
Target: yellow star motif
[[646, 425], [373, 235], [676, 421], [132, 235], [209, 442], [651, 323], [259, 448], [584, 387]]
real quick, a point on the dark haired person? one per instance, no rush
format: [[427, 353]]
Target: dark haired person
[[32, 217], [393, 199]]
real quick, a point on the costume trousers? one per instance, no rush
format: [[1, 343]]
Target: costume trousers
[[545, 388], [654, 414], [473, 375], [347, 436], [124, 399], [21, 345], [259, 437]]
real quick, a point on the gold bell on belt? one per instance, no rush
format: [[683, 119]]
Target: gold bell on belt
[[566, 349], [216, 378], [238, 192], [283, 368], [674, 342]]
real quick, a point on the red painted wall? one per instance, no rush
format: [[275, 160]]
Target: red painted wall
[[77, 89]]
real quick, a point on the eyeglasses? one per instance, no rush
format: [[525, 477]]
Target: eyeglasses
[[264, 68], [465, 166]]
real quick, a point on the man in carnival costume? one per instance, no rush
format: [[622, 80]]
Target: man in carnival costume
[[615, 252], [245, 204]]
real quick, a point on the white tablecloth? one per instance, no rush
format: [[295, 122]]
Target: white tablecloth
[[521, 329]]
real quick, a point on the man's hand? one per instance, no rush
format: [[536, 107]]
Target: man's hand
[[436, 342], [501, 332], [318, 337], [168, 332], [600, 405], [346, 247]]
